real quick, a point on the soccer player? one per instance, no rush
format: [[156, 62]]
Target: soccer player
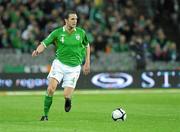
[[72, 49]]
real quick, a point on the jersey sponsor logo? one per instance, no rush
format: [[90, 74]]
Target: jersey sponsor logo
[[112, 80], [77, 36]]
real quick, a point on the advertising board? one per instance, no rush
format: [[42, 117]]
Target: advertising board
[[96, 80]]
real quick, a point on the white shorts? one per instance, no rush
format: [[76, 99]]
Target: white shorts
[[68, 74]]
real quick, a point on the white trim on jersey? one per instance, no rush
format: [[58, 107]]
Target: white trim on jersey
[[44, 44], [87, 45]]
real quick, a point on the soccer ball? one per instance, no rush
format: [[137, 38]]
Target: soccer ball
[[119, 115]]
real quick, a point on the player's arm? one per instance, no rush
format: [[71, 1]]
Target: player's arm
[[47, 41], [38, 50], [87, 60], [86, 66]]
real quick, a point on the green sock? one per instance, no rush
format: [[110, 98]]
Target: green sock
[[47, 104]]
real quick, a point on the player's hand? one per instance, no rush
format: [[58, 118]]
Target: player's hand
[[35, 53], [86, 68]]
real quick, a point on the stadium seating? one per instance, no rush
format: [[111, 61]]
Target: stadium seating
[[112, 19]]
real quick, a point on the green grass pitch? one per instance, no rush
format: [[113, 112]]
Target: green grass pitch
[[147, 111]]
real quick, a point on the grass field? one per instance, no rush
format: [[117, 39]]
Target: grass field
[[147, 111]]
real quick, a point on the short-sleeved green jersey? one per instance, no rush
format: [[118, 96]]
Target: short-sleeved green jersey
[[70, 47]]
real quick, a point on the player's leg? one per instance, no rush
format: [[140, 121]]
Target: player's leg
[[55, 76], [69, 83], [48, 99]]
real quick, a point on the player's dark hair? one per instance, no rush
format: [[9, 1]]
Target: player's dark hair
[[66, 15]]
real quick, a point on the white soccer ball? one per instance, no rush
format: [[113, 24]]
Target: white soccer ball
[[119, 115]]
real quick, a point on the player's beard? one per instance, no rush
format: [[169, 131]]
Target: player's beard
[[71, 27]]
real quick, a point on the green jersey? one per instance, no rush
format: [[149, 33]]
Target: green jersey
[[71, 47]]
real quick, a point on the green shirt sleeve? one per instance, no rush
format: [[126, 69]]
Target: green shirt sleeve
[[85, 40], [50, 38]]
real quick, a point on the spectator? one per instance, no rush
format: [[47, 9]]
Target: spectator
[[162, 48], [104, 21], [137, 46], [122, 45]]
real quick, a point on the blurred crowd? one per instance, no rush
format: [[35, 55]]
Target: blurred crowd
[[111, 25]]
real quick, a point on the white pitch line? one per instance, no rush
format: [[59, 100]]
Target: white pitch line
[[84, 92]]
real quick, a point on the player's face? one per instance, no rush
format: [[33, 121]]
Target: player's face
[[72, 21]]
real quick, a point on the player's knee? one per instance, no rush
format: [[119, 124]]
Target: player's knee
[[51, 87], [51, 90]]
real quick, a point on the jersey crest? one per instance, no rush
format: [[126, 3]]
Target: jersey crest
[[77, 37]]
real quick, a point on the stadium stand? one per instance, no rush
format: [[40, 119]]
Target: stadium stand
[[124, 34]]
